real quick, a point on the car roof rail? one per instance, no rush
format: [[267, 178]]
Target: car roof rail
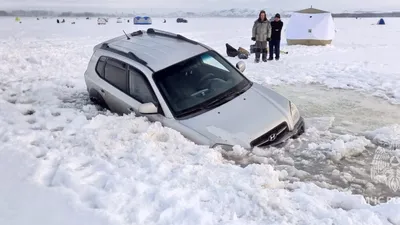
[[171, 35], [130, 55]]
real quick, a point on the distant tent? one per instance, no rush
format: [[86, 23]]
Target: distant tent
[[119, 20], [310, 27], [17, 19], [145, 20], [381, 22], [101, 21]]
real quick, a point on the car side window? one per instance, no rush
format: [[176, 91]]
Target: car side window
[[100, 66], [139, 87], [115, 73]]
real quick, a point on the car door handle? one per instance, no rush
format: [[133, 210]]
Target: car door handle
[[102, 91], [131, 109]]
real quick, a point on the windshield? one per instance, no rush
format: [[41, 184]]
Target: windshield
[[199, 84]]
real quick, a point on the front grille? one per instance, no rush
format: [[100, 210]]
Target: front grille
[[271, 136]]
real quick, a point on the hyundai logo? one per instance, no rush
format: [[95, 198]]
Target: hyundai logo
[[272, 137]]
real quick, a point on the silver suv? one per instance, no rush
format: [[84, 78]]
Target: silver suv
[[189, 87]]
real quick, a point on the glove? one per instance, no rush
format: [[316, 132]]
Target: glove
[[253, 38], [268, 39]]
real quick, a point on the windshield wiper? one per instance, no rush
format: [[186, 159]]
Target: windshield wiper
[[225, 98], [190, 111], [218, 101]]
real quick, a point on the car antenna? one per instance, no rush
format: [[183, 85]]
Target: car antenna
[[126, 35]]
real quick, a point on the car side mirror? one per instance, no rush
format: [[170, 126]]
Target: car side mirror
[[148, 108], [241, 66]]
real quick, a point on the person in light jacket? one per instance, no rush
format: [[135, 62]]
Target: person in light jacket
[[261, 34]]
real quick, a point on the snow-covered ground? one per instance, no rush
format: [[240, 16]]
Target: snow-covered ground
[[64, 161]]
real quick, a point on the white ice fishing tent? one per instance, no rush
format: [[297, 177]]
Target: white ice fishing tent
[[310, 27]]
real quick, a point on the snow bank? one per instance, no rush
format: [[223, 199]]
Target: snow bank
[[23, 202]]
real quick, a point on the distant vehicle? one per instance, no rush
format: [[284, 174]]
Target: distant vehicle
[[101, 21], [189, 87], [119, 20], [181, 20]]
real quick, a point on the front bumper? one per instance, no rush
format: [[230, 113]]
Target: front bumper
[[299, 129]]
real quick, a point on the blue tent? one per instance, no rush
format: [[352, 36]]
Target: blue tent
[[145, 20], [381, 22]]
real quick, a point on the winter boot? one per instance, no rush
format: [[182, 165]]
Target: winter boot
[[264, 57], [257, 60]]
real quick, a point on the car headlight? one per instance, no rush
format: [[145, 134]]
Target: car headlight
[[224, 147], [294, 112]]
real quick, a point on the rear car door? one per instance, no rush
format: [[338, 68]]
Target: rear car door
[[116, 76]]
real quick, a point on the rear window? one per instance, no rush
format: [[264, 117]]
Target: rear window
[[117, 75], [100, 66]]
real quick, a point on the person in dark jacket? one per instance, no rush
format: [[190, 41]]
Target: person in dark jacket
[[275, 43], [261, 33]]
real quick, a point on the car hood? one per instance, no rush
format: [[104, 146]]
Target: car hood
[[242, 119]]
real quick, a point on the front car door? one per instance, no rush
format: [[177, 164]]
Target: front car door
[[141, 92]]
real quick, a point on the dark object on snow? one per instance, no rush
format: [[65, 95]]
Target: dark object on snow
[[73, 23], [181, 20], [381, 22], [231, 51], [58, 21], [165, 20], [243, 56], [252, 49]]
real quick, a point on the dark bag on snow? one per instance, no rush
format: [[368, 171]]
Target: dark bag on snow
[[231, 51], [252, 49]]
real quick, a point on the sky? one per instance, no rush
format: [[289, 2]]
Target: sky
[[198, 5]]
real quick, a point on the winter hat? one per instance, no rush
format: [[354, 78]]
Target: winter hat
[[277, 15]]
